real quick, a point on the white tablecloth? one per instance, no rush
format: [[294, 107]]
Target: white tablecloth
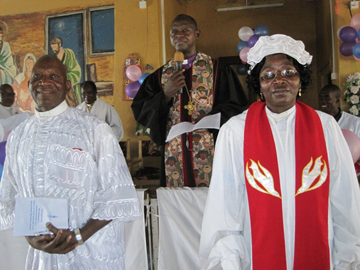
[[180, 219], [13, 249]]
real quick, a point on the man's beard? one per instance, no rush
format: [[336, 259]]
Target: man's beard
[[56, 52]]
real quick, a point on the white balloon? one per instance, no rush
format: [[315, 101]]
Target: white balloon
[[245, 33]]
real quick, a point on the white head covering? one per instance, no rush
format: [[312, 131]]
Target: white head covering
[[268, 45]]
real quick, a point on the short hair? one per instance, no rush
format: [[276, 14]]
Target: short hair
[[4, 86], [91, 85], [253, 79], [185, 17], [56, 40], [332, 88]]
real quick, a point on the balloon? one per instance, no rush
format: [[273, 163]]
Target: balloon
[[261, 30], [241, 69], [241, 45], [357, 59], [132, 88], [339, 29], [353, 142], [143, 77], [133, 72], [356, 50], [243, 54], [245, 33], [348, 34], [346, 49], [2, 152], [252, 40], [355, 21]]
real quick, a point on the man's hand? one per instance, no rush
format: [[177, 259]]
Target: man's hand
[[60, 242], [174, 84]]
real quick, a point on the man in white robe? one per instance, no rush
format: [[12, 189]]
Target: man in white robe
[[329, 100], [94, 105], [7, 100], [62, 152]]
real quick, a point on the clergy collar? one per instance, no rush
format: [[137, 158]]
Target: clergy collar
[[188, 62], [53, 112], [280, 116]]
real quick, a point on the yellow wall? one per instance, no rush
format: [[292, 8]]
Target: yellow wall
[[140, 31]]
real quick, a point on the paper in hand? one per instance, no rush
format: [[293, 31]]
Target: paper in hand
[[32, 214], [210, 121]]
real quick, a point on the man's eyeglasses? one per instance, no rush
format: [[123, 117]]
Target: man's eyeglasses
[[183, 32], [271, 75]]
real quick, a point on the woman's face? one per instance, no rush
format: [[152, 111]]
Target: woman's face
[[279, 83], [29, 63]]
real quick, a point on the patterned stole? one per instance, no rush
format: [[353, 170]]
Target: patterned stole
[[188, 158], [264, 191]]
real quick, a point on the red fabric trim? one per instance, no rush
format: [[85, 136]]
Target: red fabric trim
[[311, 222], [311, 238]]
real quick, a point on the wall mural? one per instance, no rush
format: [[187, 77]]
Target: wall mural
[[26, 37]]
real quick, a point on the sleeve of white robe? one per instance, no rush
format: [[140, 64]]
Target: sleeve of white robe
[[222, 243], [344, 199], [113, 118]]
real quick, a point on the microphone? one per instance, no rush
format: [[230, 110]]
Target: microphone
[[179, 59]]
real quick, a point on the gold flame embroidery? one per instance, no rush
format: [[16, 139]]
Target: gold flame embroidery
[[265, 179], [309, 176]]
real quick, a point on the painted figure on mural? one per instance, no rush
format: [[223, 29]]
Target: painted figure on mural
[[73, 70], [7, 67], [23, 97]]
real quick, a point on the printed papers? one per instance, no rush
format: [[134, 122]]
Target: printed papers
[[32, 214]]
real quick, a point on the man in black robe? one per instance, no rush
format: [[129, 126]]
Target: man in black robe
[[170, 96]]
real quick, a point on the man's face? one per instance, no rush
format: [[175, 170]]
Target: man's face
[[48, 84], [328, 102], [55, 48], [7, 96], [183, 37], [88, 94]]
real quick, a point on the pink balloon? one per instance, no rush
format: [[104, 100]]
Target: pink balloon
[[133, 72], [243, 54], [355, 21], [353, 142], [132, 89]]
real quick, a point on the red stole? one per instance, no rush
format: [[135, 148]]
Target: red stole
[[264, 192]]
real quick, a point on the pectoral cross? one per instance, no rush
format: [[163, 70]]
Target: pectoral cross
[[190, 107]]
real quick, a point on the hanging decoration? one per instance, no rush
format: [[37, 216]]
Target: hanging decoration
[[248, 38]]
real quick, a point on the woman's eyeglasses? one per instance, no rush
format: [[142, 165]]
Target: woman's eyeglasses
[[271, 75]]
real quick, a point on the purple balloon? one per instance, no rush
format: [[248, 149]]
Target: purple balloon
[[252, 40], [346, 48], [348, 34], [132, 88]]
